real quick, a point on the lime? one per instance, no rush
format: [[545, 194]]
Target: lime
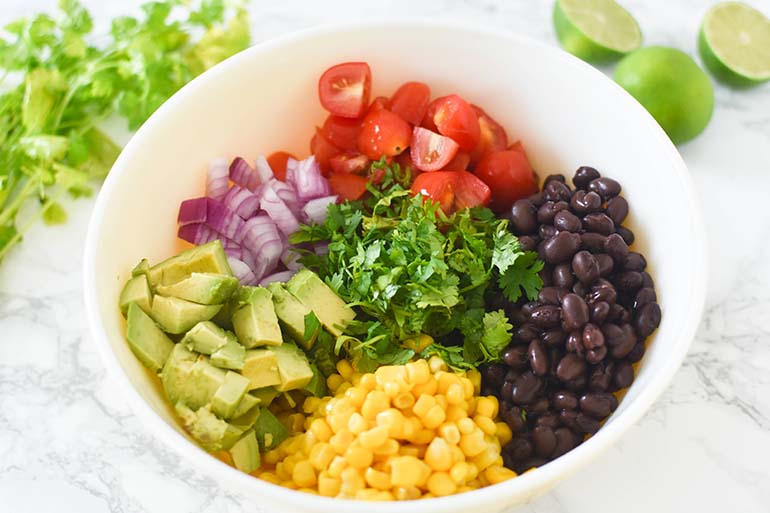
[[595, 30], [734, 42], [669, 84]]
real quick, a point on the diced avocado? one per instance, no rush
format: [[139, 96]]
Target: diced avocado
[[317, 384], [208, 258], [190, 378], [269, 430], [205, 337], [265, 395], [330, 309], [212, 433], [229, 395], [261, 368], [245, 453], [203, 288], [143, 267], [246, 420], [224, 318], [150, 345], [230, 356], [291, 313], [176, 315], [137, 290], [248, 401], [254, 321], [293, 367]]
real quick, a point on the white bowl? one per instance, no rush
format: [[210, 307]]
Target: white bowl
[[264, 99]]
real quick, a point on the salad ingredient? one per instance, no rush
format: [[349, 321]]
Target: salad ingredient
[[245, 453], [254, 319], [261, 368], [492, 136], [383, 133], [595, 30], [348, 187], [418, 420], [278, 161], [328, 307], [293, 367], [349, 163], [733, 42], [291, 313], [453, 190], [137, 290], [509, 177], [344, 89], [342, 132], [203, 288], [671, 86], [431, 151], [207, 258], [177, 315], [217, 179], [323, 150], [150, 345], [455, 118], [60, 86], [410, 102]]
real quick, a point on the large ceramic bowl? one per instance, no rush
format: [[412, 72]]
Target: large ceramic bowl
[[265, 99]]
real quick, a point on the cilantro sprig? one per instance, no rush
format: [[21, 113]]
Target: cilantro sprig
[[59, 81]]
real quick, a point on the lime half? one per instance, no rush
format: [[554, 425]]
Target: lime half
[[595, 30], [734, 43]]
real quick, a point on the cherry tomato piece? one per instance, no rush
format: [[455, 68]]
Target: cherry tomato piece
[[342, 132], [344, 89], [459, 162], [277, 161], [347, 186], [454, 190], [323, 150], [378, 103], [431, 151], [410, 101], [509, 175], [349, 163], [383, 133], [455, 118], [492, 136]]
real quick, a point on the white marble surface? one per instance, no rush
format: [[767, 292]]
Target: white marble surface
[[68, 442]]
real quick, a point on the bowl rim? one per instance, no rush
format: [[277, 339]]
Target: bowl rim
[[525, 485]]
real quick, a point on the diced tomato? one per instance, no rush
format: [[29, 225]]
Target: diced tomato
[[509, 175], [518, 146], [459, 162], [342, 132], [378, 103], [492, 136], [323, 150], [383, 133], [277, 161], [427, 120], [454, 117], [344, 89], [454, 190], [431, 151], [377, 175], [410, 101], [349, 163], [347, 186]]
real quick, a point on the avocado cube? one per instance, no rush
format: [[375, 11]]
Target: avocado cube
[[202, 288], [254, 321], [317, 384], [190, 378], [150, 345], [269, 430], [248, 401], [207, 258], [205, 337], [246, 420], [143, 267], [212, 433], [224, 317], [137, 290], [176, 315], [230, 356], [293, 367], [291, 313], [330, 309], [245, 453], [265, 395], [261, 368], [229, 395]]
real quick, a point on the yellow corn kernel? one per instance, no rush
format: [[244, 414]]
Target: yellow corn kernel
[[374, 437], [367, 494], [442, 401], [424, 403], [309, 440], [438, 455], [391, 374], [440, 484], [281, 472], [338, 421], [385, 495], [337, 465], [423, 436], [393, 420], [328, 486], [474, 377], [368, 382], [358, 457], [357, 424], [497, 474], [352, 481], [455, 394], [455, 412], [341, 441], [412, 426], [375, 402], [418, 372], [434, 417], [270, 477], [272, 457], [391, 389], [436, 364], [486, 424], [356, 396], [406, 493], [334, 381], [409, 450], [377, 479], [428, 388], [457, 453], [408, 471], [449, 432], [289, 484], [389, 448], [465, 488], [503, 433], [473, 443], [321, 455], [423, 341], [320, 430], [303, 474], [403, 401], [344, 387], [487, 406], [459, 472], [473, 473], [465, 425], [311, 404], [446, 380], [356, 378], [345, 370], [489, 456]]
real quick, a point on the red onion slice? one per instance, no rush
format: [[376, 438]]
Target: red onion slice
[[192, 211], [316, 210], [291, 170], [242, 271], [217, 178], [197, 233], [223, 220], [264, 171], [308, 181], [278, 211], [261, 238], [241, 201], [243, 174], [280, 277]]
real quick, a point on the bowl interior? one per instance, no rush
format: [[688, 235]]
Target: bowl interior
[[566, 114]]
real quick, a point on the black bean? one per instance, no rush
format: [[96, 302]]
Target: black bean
[[512, 374], [533, 462], [555, 177], [647, 320], [538, 407], [585, 202], [567, 221], [584, 175], [567, 417], [549, 295], [617, 209], [493, 373], [564, 399], [634, 262], [592, 336], [560, 248], [523, 218], [627, 234], [574, 312], [593, 242], [556, 191], [550, 420], [636, 353], [629, 281], [546, 275], [525, 388], [616, 247], [570, 367], [546, 231], [599, 311], [619, 314], [585, 266], [606, 265], [529, 307], [574, 343], [623, 376], [516, 357], [594, 356], [598, 223], [578, 384], [620, 340], [603, 291], [525, 332], [647, 280], [562, 276], [605, 187], [537, 199], [579, 289], [506, 390], [528, 243], [554, 337], [597, 405], [565, 442], [601, 376], [544, 440], [587, 424], [547, 211], [538, 358], [519, 448], [546, 316]]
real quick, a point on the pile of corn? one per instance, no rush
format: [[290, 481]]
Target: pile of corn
[[403, 432]]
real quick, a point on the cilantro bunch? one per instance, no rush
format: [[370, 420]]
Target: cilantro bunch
[[59, 81], [410, 269]]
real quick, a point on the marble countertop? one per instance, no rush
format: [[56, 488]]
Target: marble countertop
[[69, 443]]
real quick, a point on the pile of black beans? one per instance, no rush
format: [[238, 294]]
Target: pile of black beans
[[573, 347]]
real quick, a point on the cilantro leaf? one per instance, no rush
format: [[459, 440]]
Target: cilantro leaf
[[497, 334], [522, 276]]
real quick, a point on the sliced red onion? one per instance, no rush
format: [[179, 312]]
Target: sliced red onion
[[241, 201], [287, 194], [224, 220], [291, 169], [264, 171], [321, 248], [192, 211], [308, 181], [197, 233], [316, 210], [243, 174], [290, 259], [280, 277], [278, 211], [227, 243], [217, 179], [261, 238], [242, 271], [234, 253]]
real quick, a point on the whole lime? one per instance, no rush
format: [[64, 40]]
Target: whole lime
[[669, 84]]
